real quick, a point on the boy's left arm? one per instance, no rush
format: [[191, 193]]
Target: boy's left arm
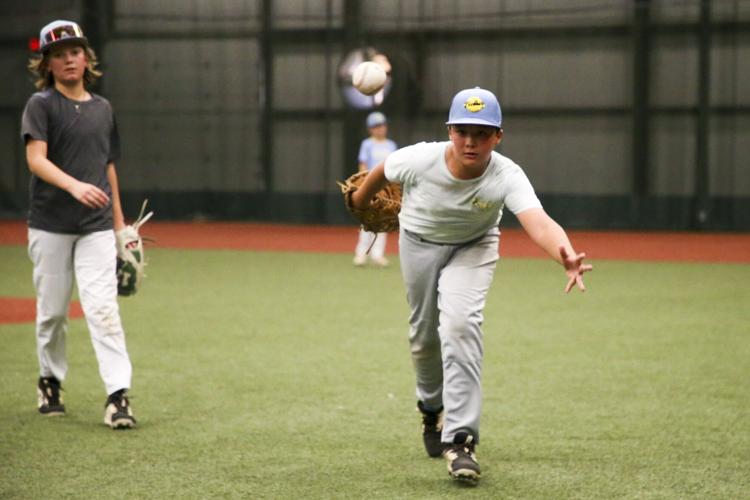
[[117, 217], [548, 234]]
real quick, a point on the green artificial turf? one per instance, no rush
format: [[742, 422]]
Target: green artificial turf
[[283, 375]]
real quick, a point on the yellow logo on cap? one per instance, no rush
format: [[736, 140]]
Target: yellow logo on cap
[[474, 104]]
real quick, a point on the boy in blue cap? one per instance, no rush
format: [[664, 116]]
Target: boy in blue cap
[[372, 152], [454, 193]]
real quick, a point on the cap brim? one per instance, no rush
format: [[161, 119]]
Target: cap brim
[[472, 121], [75, 40]]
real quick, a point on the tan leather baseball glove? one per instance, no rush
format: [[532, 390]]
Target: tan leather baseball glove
[[382, 214]]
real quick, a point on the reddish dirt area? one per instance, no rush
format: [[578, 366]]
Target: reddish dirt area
[[21, 310], [654, 246], [618, 245]]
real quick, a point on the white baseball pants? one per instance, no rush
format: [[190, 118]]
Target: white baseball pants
[[446, 287], [91, 259], [365, 240]]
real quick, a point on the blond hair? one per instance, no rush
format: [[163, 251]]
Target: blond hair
[[39, 67]]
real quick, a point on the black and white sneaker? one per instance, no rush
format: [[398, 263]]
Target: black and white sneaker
[[462, 462], [432, 428], [49, 397], [117, 411]]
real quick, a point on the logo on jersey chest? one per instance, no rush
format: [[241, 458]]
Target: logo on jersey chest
[[481, 204]]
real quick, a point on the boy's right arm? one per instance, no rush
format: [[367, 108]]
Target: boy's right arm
[[39, 165]]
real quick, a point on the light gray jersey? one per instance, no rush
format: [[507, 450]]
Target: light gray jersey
[[441, 208]]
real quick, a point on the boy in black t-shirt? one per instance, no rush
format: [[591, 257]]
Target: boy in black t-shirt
[[71, 145]]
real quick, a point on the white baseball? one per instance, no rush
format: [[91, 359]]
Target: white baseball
[[369, 78]]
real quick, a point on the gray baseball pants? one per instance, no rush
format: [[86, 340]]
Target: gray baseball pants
[[446, 287]]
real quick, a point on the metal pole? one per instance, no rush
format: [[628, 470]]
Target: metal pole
[[266, 102], [641, 104], [92, 22], [701, 213], [352, 119], [95, 19], [326, 208]]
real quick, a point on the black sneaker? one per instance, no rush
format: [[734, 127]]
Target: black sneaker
[[432, 428], [117, 411], [462, 462], [49, 396]]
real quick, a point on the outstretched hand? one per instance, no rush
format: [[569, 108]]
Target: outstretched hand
[[574, 268]]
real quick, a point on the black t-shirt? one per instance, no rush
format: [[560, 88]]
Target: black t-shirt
[[82, 139]]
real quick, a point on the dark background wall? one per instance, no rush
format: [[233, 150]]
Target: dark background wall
[[624, 113]]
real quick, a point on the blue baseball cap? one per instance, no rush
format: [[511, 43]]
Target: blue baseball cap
[[60, 31], [475, 107], [376, 118]]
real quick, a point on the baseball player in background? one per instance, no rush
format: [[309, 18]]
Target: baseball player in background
[[71, 146], [454, 193], [372, 152]]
